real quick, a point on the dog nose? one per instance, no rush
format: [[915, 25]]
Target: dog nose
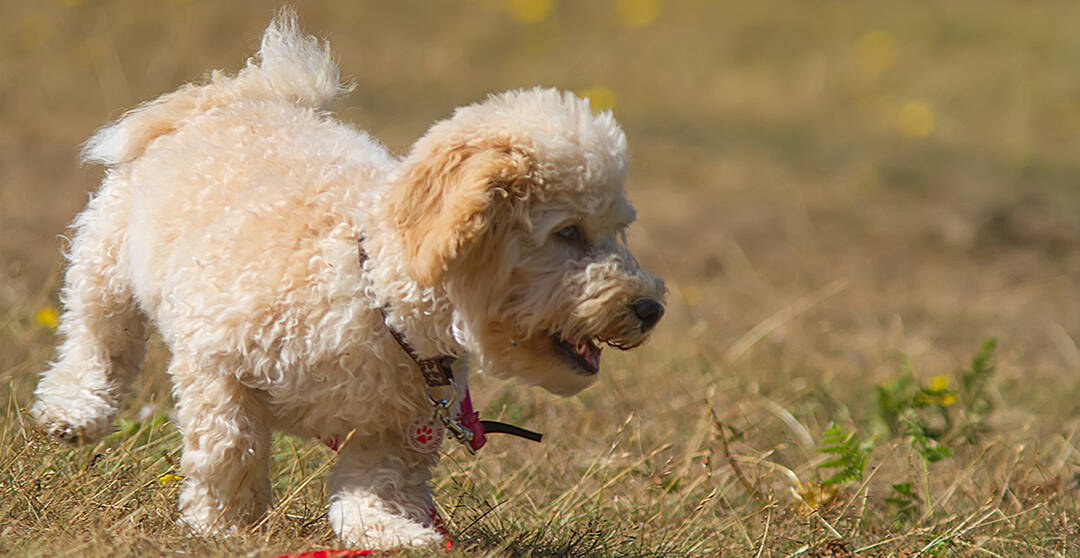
[[648, 311]]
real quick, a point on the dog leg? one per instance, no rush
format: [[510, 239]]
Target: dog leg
[[102, 327], [381, 500], [226, 461]]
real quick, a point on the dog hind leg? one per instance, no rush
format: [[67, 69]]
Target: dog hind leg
[[104, 338], [226, 457]]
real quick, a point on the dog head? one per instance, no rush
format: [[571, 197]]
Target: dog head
[[515, 208]]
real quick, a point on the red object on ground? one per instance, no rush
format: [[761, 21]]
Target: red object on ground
[[346, 553]]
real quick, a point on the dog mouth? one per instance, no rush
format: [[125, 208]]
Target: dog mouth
[[584, 353]]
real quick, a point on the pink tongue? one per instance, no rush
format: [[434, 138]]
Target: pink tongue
[[592, 354]]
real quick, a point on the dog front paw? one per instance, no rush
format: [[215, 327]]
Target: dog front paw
[[71, 435], [71, 424], [364, 521], [56, 428]]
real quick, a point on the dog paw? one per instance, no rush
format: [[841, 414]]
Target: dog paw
[[71, 425], [71, 435], [57, 428]]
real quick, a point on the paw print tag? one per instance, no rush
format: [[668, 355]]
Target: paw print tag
[[424, 434]]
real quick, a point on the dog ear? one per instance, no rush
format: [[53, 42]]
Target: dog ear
[[445, 199]]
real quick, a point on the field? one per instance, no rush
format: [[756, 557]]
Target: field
[[867, 215]]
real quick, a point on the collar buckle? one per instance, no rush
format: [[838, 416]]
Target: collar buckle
[[463, 434], [437, 371]]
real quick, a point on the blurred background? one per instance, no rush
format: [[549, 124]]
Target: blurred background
[[823, 185], [923, 153]]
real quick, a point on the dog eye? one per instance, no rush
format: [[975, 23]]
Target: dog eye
[[571, 235]]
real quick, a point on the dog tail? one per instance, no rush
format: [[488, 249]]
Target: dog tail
[[290, 65]]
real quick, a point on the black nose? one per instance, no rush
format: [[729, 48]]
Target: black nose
[[648, 310]]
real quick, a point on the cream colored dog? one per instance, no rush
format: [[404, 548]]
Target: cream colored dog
[[230, 215]]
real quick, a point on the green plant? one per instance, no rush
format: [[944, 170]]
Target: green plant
[[849, 458], [903, 503], [925, 442], [934, 418], [849, 455], [974, 401]]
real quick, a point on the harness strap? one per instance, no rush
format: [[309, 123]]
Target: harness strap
[[438, 372]]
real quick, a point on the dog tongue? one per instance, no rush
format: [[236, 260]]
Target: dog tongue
[[592, 354]]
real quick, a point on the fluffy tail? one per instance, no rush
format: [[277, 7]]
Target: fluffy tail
[[102, 327], [290, 65]]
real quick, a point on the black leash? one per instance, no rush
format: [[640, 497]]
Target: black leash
[[496, 427]]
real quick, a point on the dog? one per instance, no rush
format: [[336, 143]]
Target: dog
[[307, 281]]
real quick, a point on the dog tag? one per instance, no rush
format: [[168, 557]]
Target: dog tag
[[425, 435]]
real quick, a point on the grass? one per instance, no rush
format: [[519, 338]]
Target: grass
[[846, 200]]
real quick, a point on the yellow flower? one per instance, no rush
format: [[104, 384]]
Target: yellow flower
[[600, 98], [528, 11], [915, 119], [47, 317], [939, 383], [875, 52], [634, 14], [947, 399], [169, 478]]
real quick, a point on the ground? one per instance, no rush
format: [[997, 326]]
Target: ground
[[846, 199]]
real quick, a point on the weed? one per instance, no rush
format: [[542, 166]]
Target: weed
[[903, 504], [933, 417], [924, 441], [849, 455], [919, 413], [974, 402]]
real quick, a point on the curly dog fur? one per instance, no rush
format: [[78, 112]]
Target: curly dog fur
[[229, 217]]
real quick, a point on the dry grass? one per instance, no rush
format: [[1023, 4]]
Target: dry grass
[[824, 186]]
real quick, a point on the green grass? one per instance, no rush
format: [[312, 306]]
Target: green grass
[[845, 198]]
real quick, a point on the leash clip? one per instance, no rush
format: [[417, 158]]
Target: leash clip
[[442, 414]]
